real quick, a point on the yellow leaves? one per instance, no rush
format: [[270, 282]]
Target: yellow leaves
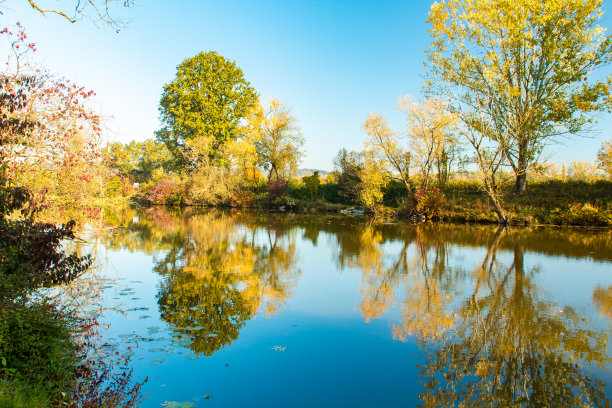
[[277, 137], [374, 177], [604, 158]]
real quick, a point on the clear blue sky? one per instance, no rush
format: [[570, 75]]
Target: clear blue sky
[[332, 61]]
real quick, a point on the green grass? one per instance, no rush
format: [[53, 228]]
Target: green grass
[[552, 202]]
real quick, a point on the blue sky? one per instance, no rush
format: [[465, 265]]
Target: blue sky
[[332, 61]]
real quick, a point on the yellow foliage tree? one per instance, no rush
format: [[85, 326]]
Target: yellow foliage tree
[[430, 129], [384, 152], [523, 65], [604, 158], [584, 171], [278, 139]]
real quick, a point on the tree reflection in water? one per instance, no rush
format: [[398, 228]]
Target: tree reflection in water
[[494, 343], [488, 335], [218, 270]]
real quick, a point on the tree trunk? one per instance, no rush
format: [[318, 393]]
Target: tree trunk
[[501, 214], [521, 183], [497, 205], [521, 170]]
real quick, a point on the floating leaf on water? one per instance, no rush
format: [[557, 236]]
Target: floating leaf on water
[[156, 350], [135, 298], [106, 287], [211, 335], [135, 309], [176, 404], [153, 329], [129, 353], [126, 335], [194, 308], [192, 356], [279, 348], [142, 317], [110, 345], [193, 328], [136, 281], [158, 361]]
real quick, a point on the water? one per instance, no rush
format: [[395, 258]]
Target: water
[[292, 310]]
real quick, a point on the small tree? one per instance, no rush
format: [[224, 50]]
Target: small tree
[[138, 159], [383, 147], [349, 166], [430, 128], [312, 183], [278, 140], [604, 158]]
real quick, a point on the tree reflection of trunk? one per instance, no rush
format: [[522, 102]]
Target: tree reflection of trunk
[[509, 348]]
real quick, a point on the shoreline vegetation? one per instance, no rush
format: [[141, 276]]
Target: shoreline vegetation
[[549, 202]]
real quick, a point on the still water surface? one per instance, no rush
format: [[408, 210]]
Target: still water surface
[[238, 310]]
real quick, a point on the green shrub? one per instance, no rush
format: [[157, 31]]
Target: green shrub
[[36, 347]]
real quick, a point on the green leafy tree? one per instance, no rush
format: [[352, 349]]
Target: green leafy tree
[[202, 108], [525, 66], [138, 159], [311, 184], [349, 166]]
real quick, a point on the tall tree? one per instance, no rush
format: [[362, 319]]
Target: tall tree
[[278, 139], [525, 65], [202, 108]]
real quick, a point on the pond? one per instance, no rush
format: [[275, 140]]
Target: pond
[[234, 310]]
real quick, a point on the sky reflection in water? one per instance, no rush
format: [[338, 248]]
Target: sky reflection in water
[[293, 310]]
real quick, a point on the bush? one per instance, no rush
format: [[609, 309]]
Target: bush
[[277, 192], [36, 347], [211, 185], [430, 202], [167, 191]]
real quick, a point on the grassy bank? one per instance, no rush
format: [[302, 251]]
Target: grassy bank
[[552, 202]]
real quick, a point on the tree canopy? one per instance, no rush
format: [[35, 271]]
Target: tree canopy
[[202, 108], [525, 66]]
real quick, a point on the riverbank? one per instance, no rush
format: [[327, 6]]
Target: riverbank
[[551, 202]]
